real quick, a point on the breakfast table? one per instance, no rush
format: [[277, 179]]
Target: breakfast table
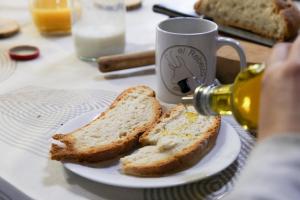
[[39, 96]]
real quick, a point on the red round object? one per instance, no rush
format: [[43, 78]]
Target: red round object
[[24, 52]]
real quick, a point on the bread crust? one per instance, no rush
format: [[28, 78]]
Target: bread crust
[[197, 7], [182, 160], [291, 16], [105, 152], [285, 8]]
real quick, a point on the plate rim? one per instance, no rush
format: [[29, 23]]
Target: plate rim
[[196, 176]]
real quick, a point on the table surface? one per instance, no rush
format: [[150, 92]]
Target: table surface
[[59, 71], [58, 66], [38, 96]]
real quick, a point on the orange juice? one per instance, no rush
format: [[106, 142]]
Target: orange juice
[[52, 16]]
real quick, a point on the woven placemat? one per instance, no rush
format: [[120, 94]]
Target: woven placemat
[[7, 66], [29, 117]]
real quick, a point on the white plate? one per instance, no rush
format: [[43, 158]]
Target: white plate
[[225, 151]]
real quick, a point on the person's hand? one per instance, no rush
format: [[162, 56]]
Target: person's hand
[[280, 95]]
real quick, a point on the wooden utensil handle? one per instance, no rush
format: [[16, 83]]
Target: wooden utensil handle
[[126, 61]]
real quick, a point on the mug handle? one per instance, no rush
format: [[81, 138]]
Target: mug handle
[[222, 41]]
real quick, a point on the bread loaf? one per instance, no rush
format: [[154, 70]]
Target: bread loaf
[[277, 19], [180, 139], [114, 132]]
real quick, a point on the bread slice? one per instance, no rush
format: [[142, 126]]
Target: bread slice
[[180, 139], [114, 132], [277, 19]]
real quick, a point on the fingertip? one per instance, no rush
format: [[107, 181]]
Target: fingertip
[[282, 47], [297, 40], [295, 50], [279, 54]]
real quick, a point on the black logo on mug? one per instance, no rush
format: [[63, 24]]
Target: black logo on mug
[[181, 62]]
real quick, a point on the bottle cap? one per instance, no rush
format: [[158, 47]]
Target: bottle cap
[[24, 52]]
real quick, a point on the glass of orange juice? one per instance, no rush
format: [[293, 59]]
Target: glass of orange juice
[[52, 17]]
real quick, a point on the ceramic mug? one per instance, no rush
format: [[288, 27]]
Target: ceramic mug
[[186, 56]]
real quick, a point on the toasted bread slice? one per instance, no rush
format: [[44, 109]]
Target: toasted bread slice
[[114, 132], [180, 139], [277, 19]]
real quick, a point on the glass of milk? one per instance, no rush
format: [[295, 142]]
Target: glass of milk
[[99, 29]]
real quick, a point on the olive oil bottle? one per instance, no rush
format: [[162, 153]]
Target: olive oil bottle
[[241, 99]]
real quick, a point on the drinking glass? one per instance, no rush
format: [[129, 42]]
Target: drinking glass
[[52, 17], [100, 29]]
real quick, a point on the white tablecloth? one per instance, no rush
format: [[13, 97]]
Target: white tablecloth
[[37, 97], [26, 88]]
